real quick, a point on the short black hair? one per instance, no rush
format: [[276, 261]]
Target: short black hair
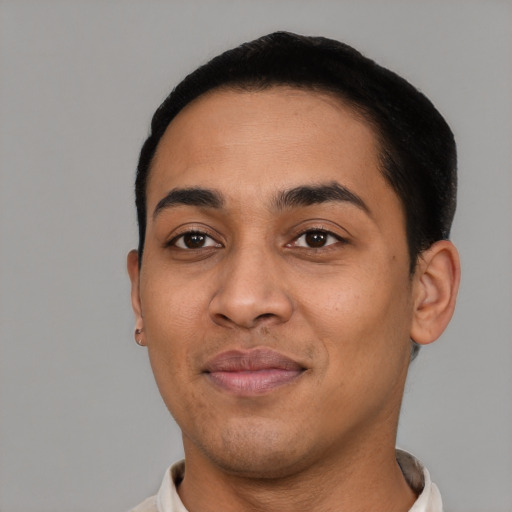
[[417, 148]]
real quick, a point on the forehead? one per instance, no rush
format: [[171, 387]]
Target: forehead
[[259, 141]]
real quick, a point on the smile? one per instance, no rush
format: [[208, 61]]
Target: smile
[[254, 372]]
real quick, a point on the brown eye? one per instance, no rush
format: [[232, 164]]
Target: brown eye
[[316, 239], [194, 240]]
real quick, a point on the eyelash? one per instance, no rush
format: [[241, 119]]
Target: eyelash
[[174, 242]]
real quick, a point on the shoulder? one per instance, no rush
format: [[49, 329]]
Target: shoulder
[[148, 505], [167, 499]]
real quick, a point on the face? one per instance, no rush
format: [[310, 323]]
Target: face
[[274, 291]]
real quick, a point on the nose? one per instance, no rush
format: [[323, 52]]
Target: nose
[[251, 291]]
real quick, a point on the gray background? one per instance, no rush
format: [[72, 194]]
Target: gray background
[[82, 425]]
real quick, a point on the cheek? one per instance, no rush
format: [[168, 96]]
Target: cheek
[[352, 313], [364, 331], [171, 306], [174, 316], [172, 321]]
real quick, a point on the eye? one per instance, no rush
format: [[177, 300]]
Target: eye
[[193, 240], [316, 239]]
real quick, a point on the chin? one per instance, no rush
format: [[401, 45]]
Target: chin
[[257, 452], [257, 465]]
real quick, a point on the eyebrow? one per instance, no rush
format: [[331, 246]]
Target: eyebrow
[[305, 195], [193, 196], [308, 195]]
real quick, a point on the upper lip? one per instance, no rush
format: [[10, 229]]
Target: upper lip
[[251, 360]]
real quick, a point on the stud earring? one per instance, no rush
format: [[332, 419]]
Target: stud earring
[[139, 341]]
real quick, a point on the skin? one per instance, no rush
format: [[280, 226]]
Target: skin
[[344, 311]]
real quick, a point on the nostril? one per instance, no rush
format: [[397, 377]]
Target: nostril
[[264, 315]]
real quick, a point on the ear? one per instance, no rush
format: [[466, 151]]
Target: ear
[[436, 282], [132, 263]]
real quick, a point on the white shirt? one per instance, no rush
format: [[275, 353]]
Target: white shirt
[[416, 475]]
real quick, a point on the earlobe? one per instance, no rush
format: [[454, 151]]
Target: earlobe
[[436, 283], [132, 263]]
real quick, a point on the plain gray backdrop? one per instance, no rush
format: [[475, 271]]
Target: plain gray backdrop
[[82, 426]]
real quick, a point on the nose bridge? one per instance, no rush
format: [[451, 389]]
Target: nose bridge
[[251, 288]]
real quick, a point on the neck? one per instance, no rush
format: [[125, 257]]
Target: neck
[[358, 480]]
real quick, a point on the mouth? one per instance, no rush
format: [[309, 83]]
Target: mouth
[[252, 372]]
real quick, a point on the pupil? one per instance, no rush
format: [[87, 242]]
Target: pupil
[[316, 239], [194, 240]]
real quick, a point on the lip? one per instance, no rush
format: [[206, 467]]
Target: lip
[[252, 372]]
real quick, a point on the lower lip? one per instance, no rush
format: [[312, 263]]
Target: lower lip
[[253, 382]]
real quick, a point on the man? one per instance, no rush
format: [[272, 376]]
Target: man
[[294, 203]]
